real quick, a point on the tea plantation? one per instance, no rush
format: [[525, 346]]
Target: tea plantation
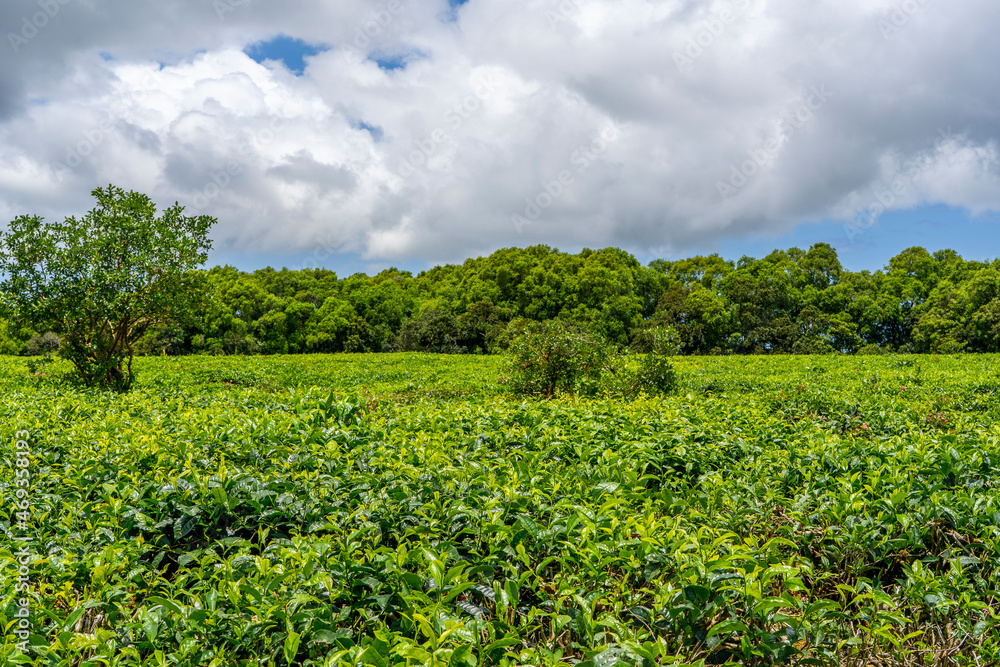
[[380, 510]]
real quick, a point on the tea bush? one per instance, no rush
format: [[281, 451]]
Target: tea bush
[[656, 375], [400, 510], [554, 357]]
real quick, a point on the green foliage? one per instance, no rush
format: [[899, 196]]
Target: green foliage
[[46, 343], [103, 280], [12, 341], [433, 331], [483, 325], [657, 339], [792, 301], [41, 365], [655, 375], [772, 511], [554, 357]]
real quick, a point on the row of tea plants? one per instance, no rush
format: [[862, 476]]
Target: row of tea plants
[[401, 510]]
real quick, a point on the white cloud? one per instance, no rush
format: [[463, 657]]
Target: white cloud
[[493, 108]]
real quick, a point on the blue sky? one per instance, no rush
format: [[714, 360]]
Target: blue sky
[[290, 51], [377, 133], [931, 227]]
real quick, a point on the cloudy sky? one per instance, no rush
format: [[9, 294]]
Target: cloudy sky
[[359, 134]]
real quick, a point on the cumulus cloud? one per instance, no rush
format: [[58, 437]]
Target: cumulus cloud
[[421, 131]]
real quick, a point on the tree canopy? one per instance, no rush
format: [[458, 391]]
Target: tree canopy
[[103, 281], [790, 302]]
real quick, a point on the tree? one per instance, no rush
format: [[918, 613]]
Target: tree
[[702, 319], [44, 344], [336, 327], [11, 340], [435, 331], [765, 303], [103, 280], [820, 265], [483, 323], [554, 357]]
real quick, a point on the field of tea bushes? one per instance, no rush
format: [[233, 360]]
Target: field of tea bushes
[[380, 510]]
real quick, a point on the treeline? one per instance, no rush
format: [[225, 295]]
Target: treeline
[[790, 302]]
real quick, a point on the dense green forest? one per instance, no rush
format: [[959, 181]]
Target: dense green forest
[[790, 302]]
